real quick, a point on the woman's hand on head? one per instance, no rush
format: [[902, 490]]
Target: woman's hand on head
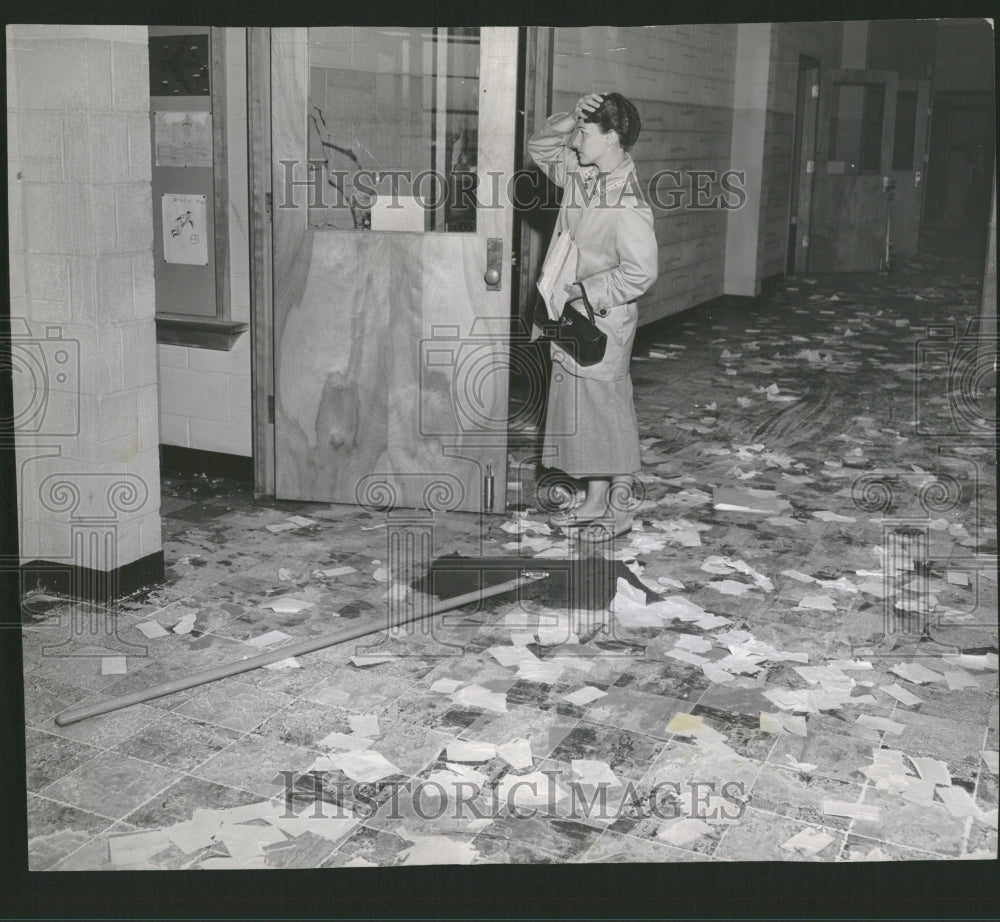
[[574, 291], [585, 105]]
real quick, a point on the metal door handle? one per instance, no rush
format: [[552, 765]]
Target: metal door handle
[[494, 257]]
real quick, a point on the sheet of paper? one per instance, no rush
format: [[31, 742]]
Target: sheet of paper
[[901, 694], [190, 835], [512, 656], [439, 850], [289, 663], [278, 527], [539, 671], [288, 606], [855, 811], [881, 723], [477, 696], [446, 686], [932, 770], [686, 656], [365, 725], [271, 637], [916, 673], [152, 629], [583, 696], [134, 850], [333, 572], [471, 751], [344, 741], [958, 801], [800, 766], [186, 624], [917, 790], [593, 772], [260, 810], [990, 760], [247, 842], [331, 827], [770, 723], [683, 832], [716, 673], [113, 665], [808, 842], [535, 789], [817, 603], [958, 679], [516, 753], [301, 521], [365, 765], [696, 643], [683, 723]]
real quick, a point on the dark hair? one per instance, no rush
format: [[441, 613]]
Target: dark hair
[[616, 113]]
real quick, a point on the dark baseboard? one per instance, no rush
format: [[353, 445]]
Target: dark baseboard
[[84, 584], [176, 461]]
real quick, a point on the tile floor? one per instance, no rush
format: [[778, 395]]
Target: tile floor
[[812, 400]]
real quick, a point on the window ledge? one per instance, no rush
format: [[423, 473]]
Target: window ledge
[[199, 332]]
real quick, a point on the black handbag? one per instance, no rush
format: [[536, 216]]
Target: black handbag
[[578, 335]]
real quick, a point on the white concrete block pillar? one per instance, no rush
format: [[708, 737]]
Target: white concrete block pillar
[[83, 330], [750, 95]]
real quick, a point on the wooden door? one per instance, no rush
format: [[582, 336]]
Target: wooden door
[[390, 345], [909, 159], [853, 161]]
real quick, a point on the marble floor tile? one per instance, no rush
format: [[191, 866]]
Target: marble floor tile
[[759, 837], [177, 742], [254, 763], [110, 785], [931, 829], [615, 848], [800, 796], [235, 705], [55, 830], [49, 757]]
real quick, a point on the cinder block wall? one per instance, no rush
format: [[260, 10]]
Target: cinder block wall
[[82, 300], [204, 393], [681, 79]]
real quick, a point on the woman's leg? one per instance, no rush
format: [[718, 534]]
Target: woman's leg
[[607, 496]]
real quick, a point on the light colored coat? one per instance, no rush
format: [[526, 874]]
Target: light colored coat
[[612, 225]]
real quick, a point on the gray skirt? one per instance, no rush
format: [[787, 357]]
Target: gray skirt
[[590, 426]]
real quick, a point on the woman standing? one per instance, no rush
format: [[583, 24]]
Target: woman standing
[[590, 425]]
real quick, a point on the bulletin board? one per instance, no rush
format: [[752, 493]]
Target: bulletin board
[[183, 172]]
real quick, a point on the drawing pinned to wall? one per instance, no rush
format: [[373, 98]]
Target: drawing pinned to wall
[[183, 138], [185, 232]]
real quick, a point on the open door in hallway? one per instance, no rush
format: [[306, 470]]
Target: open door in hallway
[[392, 310], [853, 160]]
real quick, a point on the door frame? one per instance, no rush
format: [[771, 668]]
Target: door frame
[[804, 165], [261, 268]]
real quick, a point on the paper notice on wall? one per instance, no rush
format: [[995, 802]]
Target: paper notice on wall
[[185, 233], [183, 138]]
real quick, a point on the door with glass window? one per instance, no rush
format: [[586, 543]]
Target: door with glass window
[[851, 187], [391, 149]]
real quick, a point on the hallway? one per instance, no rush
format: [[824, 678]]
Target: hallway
[[840, 706]]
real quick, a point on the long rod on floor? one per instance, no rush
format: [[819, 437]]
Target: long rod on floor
[[73, 715]]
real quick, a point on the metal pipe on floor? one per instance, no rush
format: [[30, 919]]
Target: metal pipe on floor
[[76, 714]]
